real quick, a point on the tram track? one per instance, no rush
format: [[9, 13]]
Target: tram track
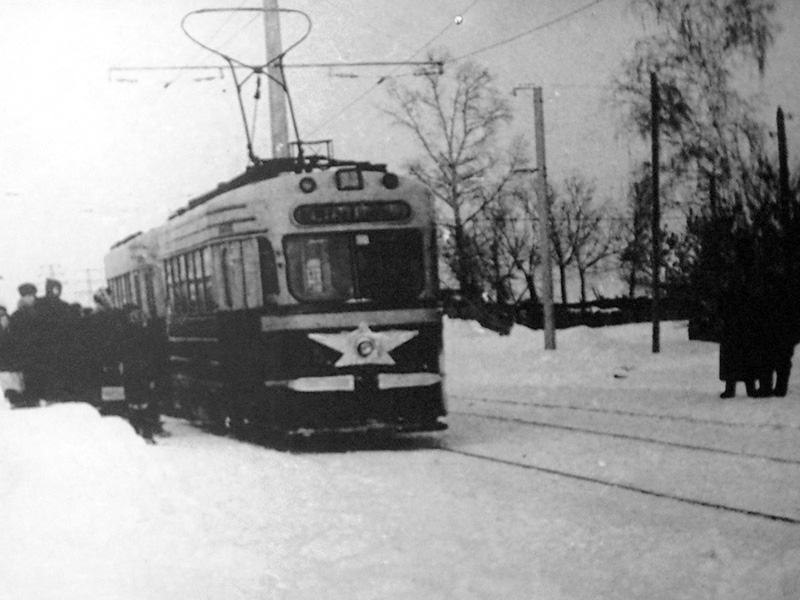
[[629, 413], [621, 486], [625, 436]]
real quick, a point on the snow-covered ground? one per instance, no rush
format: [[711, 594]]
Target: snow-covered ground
[[89, 511]]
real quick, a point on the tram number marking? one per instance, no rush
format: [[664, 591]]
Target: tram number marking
[[112, 393]]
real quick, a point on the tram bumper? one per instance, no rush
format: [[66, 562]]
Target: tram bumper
[[403, 402]]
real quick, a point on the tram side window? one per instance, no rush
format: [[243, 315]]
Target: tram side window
[[234, 276], [220, 267], [137, 288], [126, 289], [207, 281], [252, 273], [113, 285], [237, 265], [269, 270], [183, 281], [170, 282], [150, 292], [189, 284]]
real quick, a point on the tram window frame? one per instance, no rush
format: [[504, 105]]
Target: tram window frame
[[301, 249], [198, 278], [234, 267], [208, 281], [126, 288], [221, 261], [268, 270], [251, 260], [137, 288], [150, 292], [184, 282], [362, 275], [170, 282], [191, 283]]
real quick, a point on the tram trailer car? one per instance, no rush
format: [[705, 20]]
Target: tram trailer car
[[297, 299]]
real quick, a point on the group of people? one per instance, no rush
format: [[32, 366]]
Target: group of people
[[759, 306], [66, 353]]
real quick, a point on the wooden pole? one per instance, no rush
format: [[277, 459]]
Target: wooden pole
[[783, 172], [656, 217]]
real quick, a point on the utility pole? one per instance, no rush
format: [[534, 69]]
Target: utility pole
[[279, 124], [545, 225], [656, 217], [783, 171]]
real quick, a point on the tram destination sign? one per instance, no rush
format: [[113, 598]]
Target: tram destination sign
[[352, 212]]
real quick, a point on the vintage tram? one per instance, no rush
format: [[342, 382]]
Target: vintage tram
[[300, 296]]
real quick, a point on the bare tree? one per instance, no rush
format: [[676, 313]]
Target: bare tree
[[560, 240], [455, 120], [584, 229], [635, 243], [709, 130]]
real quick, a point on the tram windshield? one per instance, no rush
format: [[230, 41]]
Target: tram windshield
[[366, 265]]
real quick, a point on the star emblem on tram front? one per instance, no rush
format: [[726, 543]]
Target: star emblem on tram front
[[362, 346]]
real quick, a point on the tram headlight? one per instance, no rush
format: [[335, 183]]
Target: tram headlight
[[308, 185], [390, 181], [365, 348]]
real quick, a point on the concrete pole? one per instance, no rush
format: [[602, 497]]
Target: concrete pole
[[545, 225], [279, 124]]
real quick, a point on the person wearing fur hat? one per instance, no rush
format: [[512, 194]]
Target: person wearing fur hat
[[26, 343], [140, 372], [52, 288], [27, 295], [59, 334]]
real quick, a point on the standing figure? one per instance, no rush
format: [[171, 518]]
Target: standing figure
[[782, 334], [10, 379], [26, 340], [101, 336], [740, 343], [58, 329], [140, 372]]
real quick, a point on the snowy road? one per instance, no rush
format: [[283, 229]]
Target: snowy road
[[614, 474]]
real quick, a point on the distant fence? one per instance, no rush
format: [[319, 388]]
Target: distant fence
[[597, 313]]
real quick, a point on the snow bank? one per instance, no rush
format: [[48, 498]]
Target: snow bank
[[584, 356], [89, 510], [73, 486]]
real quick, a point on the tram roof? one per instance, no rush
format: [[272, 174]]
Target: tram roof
[[267, 169], [270, 168]]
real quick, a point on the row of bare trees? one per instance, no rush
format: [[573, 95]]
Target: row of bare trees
[[487, 205], [714, 157]]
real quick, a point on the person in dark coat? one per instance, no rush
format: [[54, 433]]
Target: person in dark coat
[[140, 352], [58, 329], [8, 367], [781, 331], [101, 334], [6, 349], [736, 346], [26, 340], [741, 344]]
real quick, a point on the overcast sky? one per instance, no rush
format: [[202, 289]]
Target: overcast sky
[[90, 152]]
